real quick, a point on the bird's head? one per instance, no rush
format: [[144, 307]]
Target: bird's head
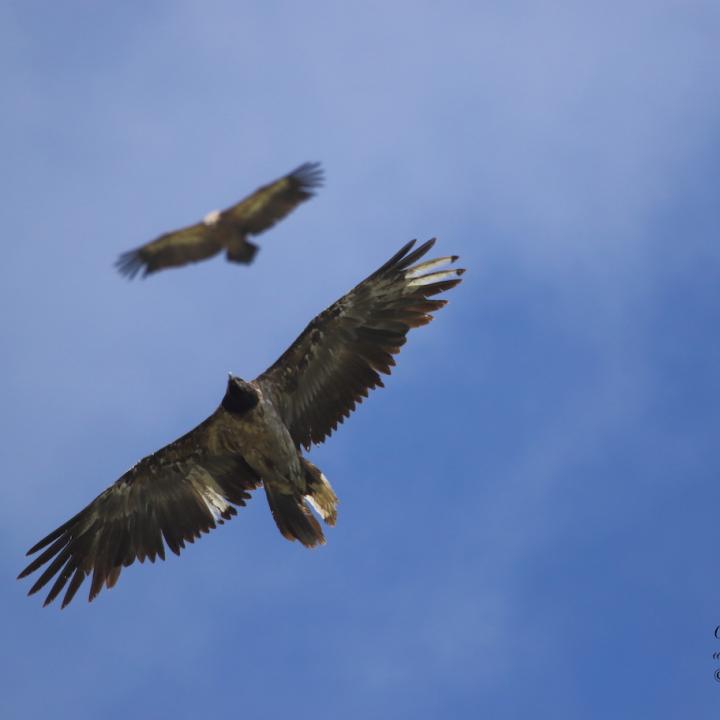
[[212, 218], [240, 396]]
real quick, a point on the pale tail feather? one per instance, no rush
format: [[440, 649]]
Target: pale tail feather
[[320, 494]]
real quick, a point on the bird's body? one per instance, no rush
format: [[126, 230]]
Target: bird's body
[[269, 450], [228, 229], [253, 438]]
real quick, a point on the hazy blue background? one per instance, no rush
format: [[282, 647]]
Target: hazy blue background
[[529, 511]]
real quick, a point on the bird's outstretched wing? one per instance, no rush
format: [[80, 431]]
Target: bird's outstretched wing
[[177, 494], [274, 201], [337, 359], [180, 247]]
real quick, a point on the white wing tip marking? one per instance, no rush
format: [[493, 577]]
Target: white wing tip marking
[[414, 271], [434, 277]]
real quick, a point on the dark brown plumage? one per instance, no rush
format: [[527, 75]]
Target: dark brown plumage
[[253, 438], [228, 229]]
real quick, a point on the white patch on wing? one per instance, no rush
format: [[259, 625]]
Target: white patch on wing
[[414, 271], [212, 217], [434, 277], [215, 502]]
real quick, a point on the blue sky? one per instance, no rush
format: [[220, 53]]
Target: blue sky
[[528, 510]]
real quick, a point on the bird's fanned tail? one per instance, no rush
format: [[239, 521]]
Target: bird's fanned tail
[[293, 517], [241, 251]]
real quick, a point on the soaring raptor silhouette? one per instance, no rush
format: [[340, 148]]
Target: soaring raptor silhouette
[[253, 438], [227, 229]]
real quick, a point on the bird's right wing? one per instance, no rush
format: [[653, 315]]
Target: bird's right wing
[[336, 360], [274, 201], [190, 244], [177, 494]]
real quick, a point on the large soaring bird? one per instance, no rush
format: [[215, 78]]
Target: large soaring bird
[[226, 229], [253, 438]]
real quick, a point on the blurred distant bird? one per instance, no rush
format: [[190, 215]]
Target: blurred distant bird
[[227, 229], [253, 438]]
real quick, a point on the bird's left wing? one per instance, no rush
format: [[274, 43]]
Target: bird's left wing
[[272, 202], [177, 494], [173, 249], [337, 359]]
